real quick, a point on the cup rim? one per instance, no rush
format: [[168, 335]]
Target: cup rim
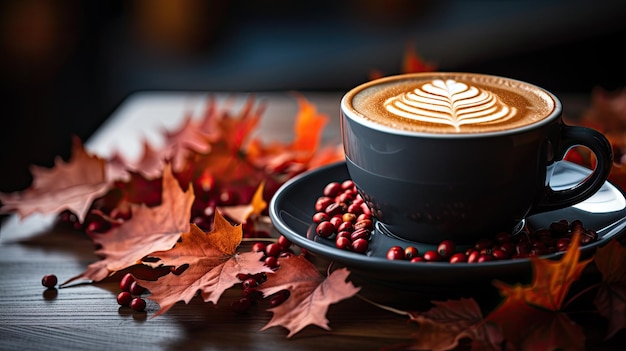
[[347, 110]]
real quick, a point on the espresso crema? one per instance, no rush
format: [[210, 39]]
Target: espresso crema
[[449, 103]]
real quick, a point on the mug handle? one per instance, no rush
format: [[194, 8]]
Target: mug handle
[[571, 136]]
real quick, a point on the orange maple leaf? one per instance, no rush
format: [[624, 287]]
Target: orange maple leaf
[[531, 316], [72, 185], [413, 63], [611, 297], [241, 213], [213, 265], [150, 229], [310, 294]]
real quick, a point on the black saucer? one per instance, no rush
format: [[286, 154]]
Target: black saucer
[[292, 207]]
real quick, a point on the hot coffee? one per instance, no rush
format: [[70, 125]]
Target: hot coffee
[[460, 156], [456, 103]]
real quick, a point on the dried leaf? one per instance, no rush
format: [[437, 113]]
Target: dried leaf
[[69, 186], [530, 316], [150, 229], [310, 294], [611, 297], [443, 326], [213, 265], [241, 213]]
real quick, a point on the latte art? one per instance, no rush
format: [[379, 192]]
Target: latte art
[[450, 102]]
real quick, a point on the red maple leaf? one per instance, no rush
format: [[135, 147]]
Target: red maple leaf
[[531, 316], [611, 297], [310, 294], [448, 322], [150, 229], [72, 185], [213, 265]]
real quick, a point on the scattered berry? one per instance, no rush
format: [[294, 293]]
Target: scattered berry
[[49, 280], [138, 304]]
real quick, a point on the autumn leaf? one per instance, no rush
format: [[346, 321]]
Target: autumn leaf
[[150, 164], [531, 316], [72, 185], [310, 294], [213, 265], [448, 322], [411, 63], [611, 297], [241, 213], [150, 229]]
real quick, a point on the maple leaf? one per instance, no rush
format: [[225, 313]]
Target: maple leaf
[[411, 63], [241, 213], [149, 165], [448, 322], [72, 185], [310, 294], [611, 297], [150, 229], [531, 316], [213, 265]]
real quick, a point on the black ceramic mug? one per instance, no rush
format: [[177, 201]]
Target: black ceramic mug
[[461, 156]]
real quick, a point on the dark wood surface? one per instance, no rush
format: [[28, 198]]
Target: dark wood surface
[[87, 317]]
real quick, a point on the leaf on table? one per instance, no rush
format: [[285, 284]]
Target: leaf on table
[[149, 165], [150, 229], [310, 294], [448, 322], [531, 316], [72, 185], [241, 213], [303, 152], [611, 297], [213, 265]]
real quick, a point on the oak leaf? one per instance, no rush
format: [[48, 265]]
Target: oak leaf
[[448, 322], [310, 294], [610, 299], [150, 229], [72, 185], [530, 316], [212, 265]]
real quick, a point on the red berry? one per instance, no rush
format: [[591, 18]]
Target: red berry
[[432, 256], [343, 243], [325, 229], [332, 189], [271, 261], [323, 202], [258, 247], [284, 242], [395, 253], [446, 248], [138, 304], [136, 289], [126, 281], [124, 298], [360, 245], [49, 280], [458, 257], [250, 283], [319, 217], [273, 249], [410, 252]]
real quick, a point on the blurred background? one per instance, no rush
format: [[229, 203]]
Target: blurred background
[[65, 65]]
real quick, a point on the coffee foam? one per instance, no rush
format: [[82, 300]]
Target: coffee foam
[[451, 103]]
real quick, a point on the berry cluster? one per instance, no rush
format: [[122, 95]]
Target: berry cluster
[[341, 213], [503, 245], [250, 282], [130, 295]]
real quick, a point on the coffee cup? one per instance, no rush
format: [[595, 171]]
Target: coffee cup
[[461, 156]]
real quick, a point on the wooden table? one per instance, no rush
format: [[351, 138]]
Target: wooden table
[[87, 317]]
